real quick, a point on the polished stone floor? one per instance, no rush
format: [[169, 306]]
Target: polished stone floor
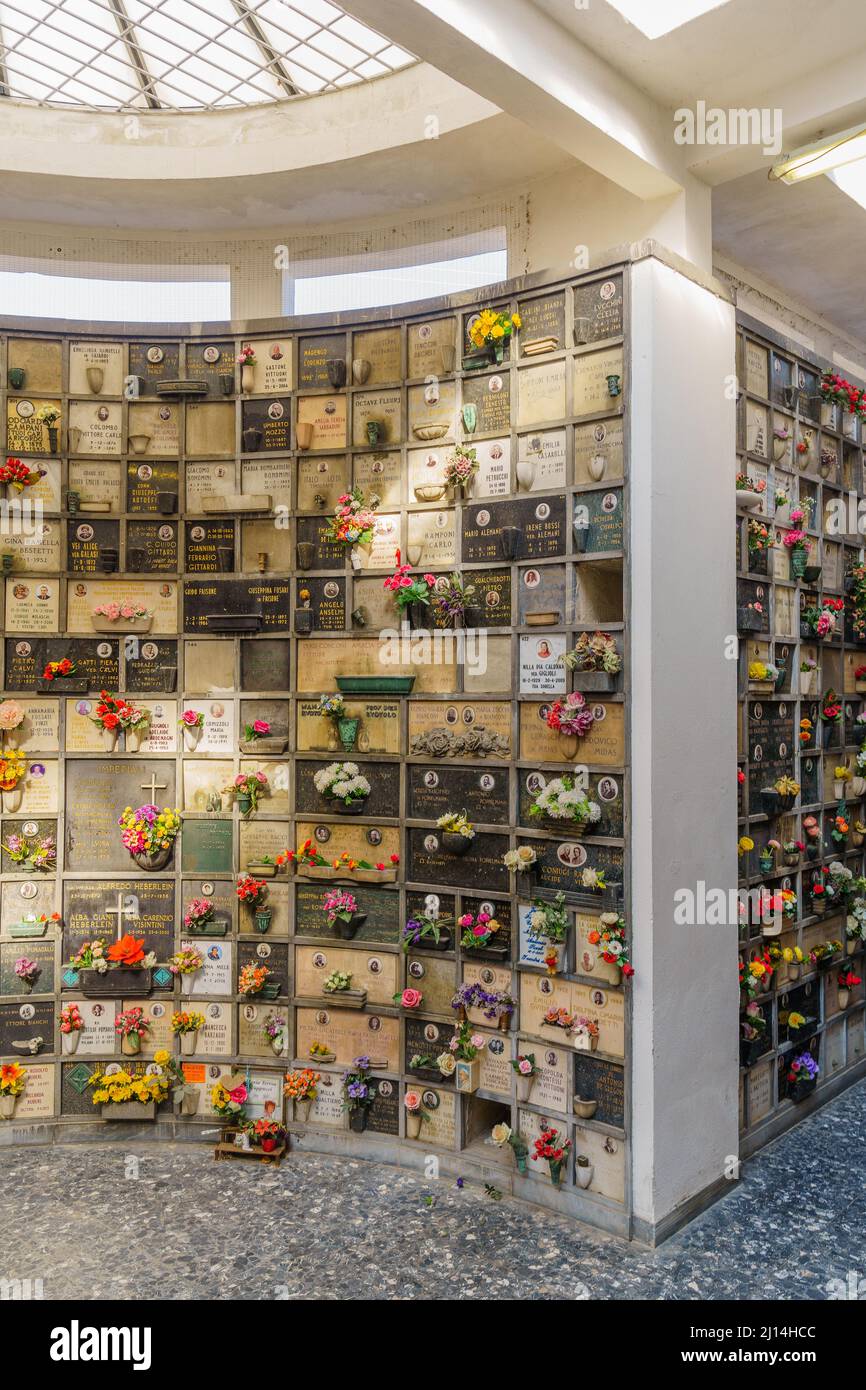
[[172, 1224]]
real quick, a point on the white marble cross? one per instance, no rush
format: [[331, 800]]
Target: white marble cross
[[153, 787], [125, 907]]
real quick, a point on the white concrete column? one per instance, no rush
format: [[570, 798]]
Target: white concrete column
[[683, 741]]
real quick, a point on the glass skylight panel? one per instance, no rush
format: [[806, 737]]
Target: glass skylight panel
[[185, 54]]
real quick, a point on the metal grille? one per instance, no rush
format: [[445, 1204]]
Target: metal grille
[[183, 55]]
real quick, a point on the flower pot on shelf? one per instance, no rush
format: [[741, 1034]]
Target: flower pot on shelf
[[346, 998], [128, 1110], [361, 369], [278, 1045], [304, 434], [602, 682], [555, 1170], [467, 1076], [585, 1042], [109, 739], [155, 860], [453, 843], [17, 378], [303, 621], [354, 808], [69, 1042], [799, 560], [800, 1090], [189, 1043], [138, 443], [248, 378], [121, 625], [584, 1109], [116, 983], [244, 803], [336, 369], [509, 542]]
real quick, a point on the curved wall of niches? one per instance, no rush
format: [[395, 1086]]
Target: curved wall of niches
[[203, 507]]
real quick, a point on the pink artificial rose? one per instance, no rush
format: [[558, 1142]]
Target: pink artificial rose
[[260, 777], [524, 1066], [479, 930], [466, 919], [261, 726], [411, 998], [405, 582], [477, 1040], [189, 716], [430, 579], [484, 916], [239, 1094], [240, 780]]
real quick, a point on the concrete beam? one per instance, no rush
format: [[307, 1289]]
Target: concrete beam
[[513, 54]]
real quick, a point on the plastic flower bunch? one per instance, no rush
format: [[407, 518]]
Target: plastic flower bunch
[[354, 521], [407, 588], [147, 828], [492, 325], [252, 978], [571, 715], [342, 782], [609, 937], [562, 799]]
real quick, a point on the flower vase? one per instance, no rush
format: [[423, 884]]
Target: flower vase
[[524, 1088], [799, 560], [262, 919], [14, 737], [348, 731], [109, 740], [851, 946], [583, 1174], [525, 474], [843, 997], [132, 740], [278, 1045], [302, 1110], [248, 377], [191, 736], [413, 1124], [132, 1042], [555, 1171], [157, 859], [358, 1119], [190, 1100], [69, 1042], [189, 1043], [12, 800], [7, 1107], [187, 981], [245, 803]]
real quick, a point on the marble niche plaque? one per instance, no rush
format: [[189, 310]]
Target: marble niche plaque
[[592, 384], [32, 605], [273, 477], [379, 731], [205, 598], [47, 488], [145, 481], [156, 426], [379, 473], [326, 598], [208, 479], [85, 542], [327, 554], [151, 665], [381, 907], [272, 372], [267, 424], [540, 526], [434, 535], [541, 592], [382, 349], [213, 363], [429, 862], [320, 482], [27, 897], [39, 950], [424, 1041], [19, 1023], [25, 432], [541, 459], [34, 550], [603, 746], [601, 515], [596, 1079], [273, 954], [431, 347], [541, 394], [459, 728], [542, 327], [541, 666], [598, 310], [384, 407], [109, 908], [151, 547], [386, 541], [40, 359], [383, 800], [757, 369], [349, 1033], [83, 595], [210, 428], [26, 659], [481, 792], [96, 794], [96, 482], [314, 354], [327, 416], [95, 427], [264, 665], [210, 547], [486, 404], [40, 729], [370, 970], [265, 547], [432, 410], [492, 594], [153, 363], [604, 788], [598, 451], [206, 846], [253, 1018]]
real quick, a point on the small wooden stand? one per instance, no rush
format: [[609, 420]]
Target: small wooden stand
[[226, 1148]]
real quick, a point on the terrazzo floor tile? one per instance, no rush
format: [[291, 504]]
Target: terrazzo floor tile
[[333, 1228]]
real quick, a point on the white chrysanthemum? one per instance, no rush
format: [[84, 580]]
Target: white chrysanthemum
[[594, 811], [359, 785], [340, 788], [350, 769]]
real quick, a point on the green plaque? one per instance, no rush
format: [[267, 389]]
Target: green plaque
[[206, 846]]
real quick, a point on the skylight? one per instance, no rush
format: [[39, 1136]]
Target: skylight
[[184, 54], [851, 178], [657, 17]]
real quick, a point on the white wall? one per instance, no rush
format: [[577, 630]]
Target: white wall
[[683, 737]]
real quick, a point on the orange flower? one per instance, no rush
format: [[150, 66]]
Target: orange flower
[[593, 938], [129, 950]]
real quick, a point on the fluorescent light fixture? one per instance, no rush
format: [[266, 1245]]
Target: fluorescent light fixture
[[852, 180], [661, 16], [819, 158]]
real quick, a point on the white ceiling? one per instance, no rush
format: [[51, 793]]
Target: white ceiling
[[731, 56]]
